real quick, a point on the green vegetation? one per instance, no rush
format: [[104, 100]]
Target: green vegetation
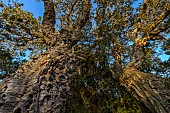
[[108, 38]]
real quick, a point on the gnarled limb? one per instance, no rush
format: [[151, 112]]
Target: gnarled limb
[[49, 16], [153, 91]]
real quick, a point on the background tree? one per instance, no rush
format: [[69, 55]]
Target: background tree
[[8, 64]]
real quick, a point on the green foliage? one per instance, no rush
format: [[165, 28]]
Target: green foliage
[[97, 91], [18, 34], [8, 63], [109, 34], [19, 30]]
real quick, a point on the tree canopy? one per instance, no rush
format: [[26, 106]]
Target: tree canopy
[[111, 35]]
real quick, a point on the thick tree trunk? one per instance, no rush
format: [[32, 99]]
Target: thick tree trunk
[[42, 84], [153, 91]]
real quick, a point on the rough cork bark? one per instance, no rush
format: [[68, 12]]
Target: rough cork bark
[[42, 84], [153, 91], [49, 16]]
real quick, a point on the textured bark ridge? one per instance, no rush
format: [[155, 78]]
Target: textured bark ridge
[[153, 91], [42, 84], [49, 16]]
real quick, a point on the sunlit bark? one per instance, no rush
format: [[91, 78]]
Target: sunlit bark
[[153, 91]]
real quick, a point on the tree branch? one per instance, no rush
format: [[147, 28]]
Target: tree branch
[[49, 16], [159, 20], [69, 13], [85, 17], [166, 27]]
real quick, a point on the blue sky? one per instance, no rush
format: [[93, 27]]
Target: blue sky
[[37, 8]]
